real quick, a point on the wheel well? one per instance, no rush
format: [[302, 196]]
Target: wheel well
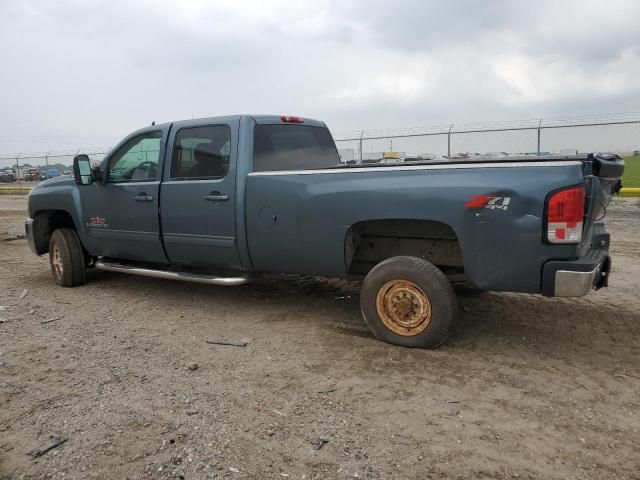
[[368, 243], [45, 222]]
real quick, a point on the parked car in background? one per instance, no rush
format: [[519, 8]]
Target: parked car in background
[[7, 176], [51, 173], [31, 175]]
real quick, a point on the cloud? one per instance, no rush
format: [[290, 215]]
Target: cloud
[[565, 79], [84, 73]]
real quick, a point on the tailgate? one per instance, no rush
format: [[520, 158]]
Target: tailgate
[[602, 174]]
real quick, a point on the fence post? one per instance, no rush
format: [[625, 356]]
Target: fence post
[[46, 162], [539, 128], [361, 135], [449, 141], [18, 176]]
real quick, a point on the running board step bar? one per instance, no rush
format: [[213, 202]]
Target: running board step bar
[[182, 276]]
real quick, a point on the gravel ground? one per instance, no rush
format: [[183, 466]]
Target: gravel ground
[[529, 387]]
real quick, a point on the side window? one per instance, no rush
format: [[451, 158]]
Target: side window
[[293, 147], [201, 152], [136, 160]]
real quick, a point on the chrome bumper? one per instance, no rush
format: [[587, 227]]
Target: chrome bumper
[[28, 230], [576, 284], [575, 278]]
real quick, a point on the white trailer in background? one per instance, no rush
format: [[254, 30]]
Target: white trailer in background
[[346, 154]]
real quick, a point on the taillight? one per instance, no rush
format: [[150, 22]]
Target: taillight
[[290, 119], [565, 215]]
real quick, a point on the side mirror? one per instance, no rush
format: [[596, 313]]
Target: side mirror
[[82, 170]]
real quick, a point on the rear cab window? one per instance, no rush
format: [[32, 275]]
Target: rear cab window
[[293, 147]]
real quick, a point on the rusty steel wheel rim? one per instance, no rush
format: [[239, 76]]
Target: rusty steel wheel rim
[[56, 261], [403, 307]]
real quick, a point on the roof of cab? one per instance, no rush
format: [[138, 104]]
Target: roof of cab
[[259, 119], [279, 119], [193, 122]]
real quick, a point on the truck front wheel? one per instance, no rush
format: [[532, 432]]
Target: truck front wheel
[[67, 258], [408, 301]]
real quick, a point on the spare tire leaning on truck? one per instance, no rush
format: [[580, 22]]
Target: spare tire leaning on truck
[[408, 301]]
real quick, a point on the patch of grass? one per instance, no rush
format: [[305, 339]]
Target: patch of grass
[[631, 176], [14, 190]]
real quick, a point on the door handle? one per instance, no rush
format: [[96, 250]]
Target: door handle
[[216, 197], [143, 197]]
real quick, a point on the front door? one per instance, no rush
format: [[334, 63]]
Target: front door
[[121, 216], [197, 198]]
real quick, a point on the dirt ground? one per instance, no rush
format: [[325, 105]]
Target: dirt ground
[[528, 387]]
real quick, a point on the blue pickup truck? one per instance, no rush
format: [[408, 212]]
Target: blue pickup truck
[[219, 200]]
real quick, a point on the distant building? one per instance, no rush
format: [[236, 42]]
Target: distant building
[[346, 154], [569, 151]]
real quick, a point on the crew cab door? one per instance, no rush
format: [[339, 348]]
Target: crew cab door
[[197, 197], [121, 216]]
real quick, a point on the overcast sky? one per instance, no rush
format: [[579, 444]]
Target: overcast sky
[[84, 73]]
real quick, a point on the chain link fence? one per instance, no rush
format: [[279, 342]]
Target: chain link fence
[[27, 168], [617, 133]]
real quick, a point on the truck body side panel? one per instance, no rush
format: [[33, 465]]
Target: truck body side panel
[[297, 221]]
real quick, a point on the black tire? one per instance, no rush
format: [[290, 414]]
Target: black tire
[[468, 290], [67, 258], [395, 289]]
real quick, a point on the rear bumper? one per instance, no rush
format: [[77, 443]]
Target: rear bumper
[[28, 228], [576, 278]]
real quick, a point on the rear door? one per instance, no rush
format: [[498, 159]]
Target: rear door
[[198, 195], [121, 216]]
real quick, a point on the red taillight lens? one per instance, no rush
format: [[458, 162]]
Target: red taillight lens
[[565, 214], [290, 119]]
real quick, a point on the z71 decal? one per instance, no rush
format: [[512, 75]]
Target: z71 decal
[[487, 201]]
